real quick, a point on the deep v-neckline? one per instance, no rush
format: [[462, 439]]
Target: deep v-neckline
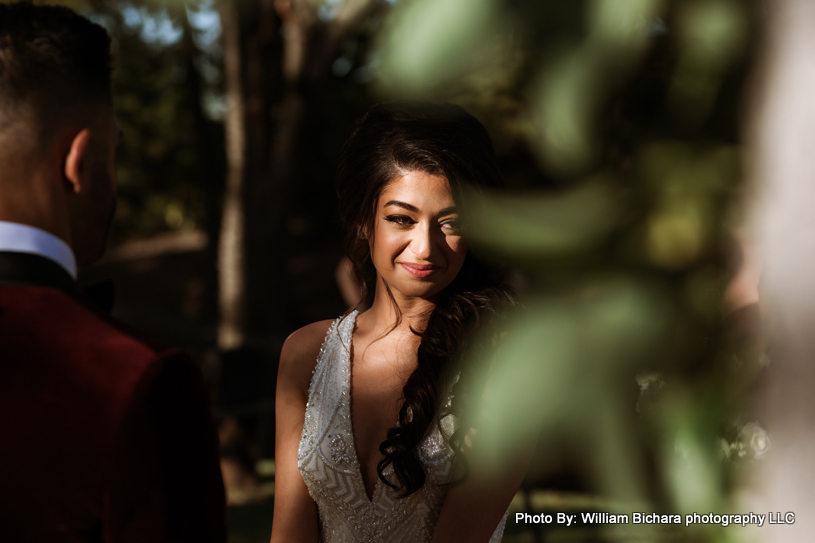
[[329, 464], [349, 353]]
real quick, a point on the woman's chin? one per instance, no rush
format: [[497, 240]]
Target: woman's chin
[[422, 290]]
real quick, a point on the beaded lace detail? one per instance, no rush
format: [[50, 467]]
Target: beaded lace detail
[[328, 462]]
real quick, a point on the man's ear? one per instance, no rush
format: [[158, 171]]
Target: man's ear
[[76, 162]]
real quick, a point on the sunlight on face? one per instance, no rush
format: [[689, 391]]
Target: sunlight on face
[[417, 247]]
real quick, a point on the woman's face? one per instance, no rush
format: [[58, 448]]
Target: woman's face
[[417, 246]]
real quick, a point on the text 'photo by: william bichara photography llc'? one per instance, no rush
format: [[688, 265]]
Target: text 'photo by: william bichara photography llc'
[[601, 518]]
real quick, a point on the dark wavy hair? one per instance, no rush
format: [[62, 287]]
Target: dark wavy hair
[[438, 139]]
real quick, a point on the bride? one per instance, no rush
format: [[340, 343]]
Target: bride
[[372, 440]]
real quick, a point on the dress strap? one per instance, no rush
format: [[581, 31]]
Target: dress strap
[[329, 389], [337, 342], [330, 379]]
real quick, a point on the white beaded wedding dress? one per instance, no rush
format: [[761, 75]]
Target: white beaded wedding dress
[[328, 462]]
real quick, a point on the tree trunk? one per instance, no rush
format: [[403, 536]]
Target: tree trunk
[[273, 87], [232, 285], [208, 166], [782, 138]]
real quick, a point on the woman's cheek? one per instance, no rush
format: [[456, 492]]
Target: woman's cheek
[[387, 244], [457, 244]]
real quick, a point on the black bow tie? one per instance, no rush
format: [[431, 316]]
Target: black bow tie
[[32, 269], [101, 294]]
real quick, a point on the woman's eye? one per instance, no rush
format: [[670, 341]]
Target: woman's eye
[[452, 226], [402, 220]]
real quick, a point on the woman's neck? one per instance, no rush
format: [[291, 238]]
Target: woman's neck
[[393, 311]]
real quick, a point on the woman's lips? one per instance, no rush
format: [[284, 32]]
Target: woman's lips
[[420, 270]]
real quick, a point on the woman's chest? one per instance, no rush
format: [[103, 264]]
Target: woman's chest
[[375, 400]]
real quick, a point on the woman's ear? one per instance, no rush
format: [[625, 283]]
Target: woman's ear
[[76, 167]]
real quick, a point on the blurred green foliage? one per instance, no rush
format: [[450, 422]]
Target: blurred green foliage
[[628, 113]]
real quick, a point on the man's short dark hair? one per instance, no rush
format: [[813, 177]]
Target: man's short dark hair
[[51, 60]]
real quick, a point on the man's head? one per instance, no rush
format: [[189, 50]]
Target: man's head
[[57, 129]]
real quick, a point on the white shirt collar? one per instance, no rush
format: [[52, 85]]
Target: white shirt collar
[[21, 238]]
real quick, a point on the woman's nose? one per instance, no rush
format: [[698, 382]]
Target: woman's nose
[[422, 243]]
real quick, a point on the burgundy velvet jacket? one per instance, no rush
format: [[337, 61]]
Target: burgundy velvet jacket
[[102, 436]]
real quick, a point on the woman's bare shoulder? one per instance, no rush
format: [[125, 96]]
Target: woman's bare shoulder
[[298, 358]]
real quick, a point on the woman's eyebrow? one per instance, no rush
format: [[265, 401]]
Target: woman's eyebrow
[[404, 205], [446, 211]]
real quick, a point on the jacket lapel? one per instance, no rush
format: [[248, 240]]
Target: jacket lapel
[[34, 270]]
